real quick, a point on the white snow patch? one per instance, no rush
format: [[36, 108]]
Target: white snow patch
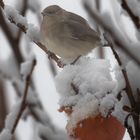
[[10, 12], [97, 90], [33, 32], [5, 135]]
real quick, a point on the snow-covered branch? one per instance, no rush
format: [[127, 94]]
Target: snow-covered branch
[[14, 117], [131, 11], [116, 36]]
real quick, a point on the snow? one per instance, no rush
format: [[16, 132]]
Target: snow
[[33, 33], [8, 66], [121, 20], [118, 112], [32, 97], [5, 135], [10, 12], [107, 104], [97, 90], [134, 6], [34, 5], [25, 67], [43, 116], [11, 117]]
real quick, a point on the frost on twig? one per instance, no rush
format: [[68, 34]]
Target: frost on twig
[[32, 32], [13, 118]]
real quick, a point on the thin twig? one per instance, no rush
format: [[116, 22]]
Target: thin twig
[[23, 103]]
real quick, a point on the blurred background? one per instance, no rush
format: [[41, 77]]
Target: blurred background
[[16, 48]]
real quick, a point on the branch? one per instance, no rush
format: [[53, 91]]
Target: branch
[[128, 87], [23, 12], [117, 40], [23, 103], [43, 47], [130, 94], [10, 38], [134, 18]]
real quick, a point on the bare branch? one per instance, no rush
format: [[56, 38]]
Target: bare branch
[[23, 103]]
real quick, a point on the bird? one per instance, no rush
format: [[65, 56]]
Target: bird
[[67, 34]]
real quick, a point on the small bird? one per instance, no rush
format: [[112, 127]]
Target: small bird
[[66, 34]]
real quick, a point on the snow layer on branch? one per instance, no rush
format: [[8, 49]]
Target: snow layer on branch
[[25, 67], [32, 97], [47, 133], [119, 77], [5, 135], [10, 12], [43, 116], [133, 72], [8, 67], [33, 33], [95, 86], [134, 5], [11, 117]]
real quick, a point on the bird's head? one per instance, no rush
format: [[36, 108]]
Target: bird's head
[[53, 10]]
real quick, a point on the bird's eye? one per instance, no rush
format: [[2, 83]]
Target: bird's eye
[[51, 12]]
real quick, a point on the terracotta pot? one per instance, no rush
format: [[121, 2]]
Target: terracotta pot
[[99, 128], [96, 127]]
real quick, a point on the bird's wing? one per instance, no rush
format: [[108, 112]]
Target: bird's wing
[[77, 18], [76, 30]]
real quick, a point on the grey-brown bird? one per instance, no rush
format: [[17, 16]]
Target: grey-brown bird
[[66, 34]]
